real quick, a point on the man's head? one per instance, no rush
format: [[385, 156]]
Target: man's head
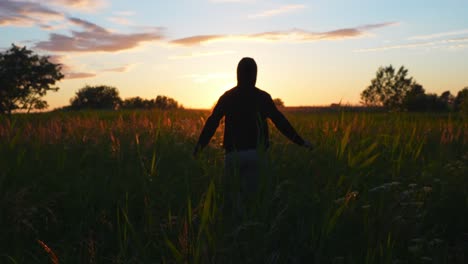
[[246, 72]]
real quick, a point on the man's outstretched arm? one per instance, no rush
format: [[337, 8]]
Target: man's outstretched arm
[[283, 124], [211, 125]]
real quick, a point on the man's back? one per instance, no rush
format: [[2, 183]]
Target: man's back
[[245, 108]]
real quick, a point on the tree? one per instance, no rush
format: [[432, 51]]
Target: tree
[[25, 78], [462, 98], [136, 103], [435, 104], [461, 102], [415, 99], [278, 102], [161, 102], [446, 100], [96, 97], [165, 103], [388, 88]]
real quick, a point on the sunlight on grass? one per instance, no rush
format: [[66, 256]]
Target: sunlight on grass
[[123, 187]]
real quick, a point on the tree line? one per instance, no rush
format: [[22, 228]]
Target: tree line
[[103, 97], [394, 90], [25, 78]]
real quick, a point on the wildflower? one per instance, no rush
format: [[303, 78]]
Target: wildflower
[[435, 242], [349, 196], [394, 183], [427, 189], [428, 259], [375, 189], [384, 186]]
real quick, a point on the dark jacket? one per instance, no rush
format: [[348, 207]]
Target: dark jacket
[[246, 108]]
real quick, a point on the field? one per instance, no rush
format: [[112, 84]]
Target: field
[[123, 187]]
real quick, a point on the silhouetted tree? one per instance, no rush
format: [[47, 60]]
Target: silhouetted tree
[[96, 97], [278, 102], [415, 99], [447, 97], [461, 99], [165, 103], [435, 104], [447, 100], [25, 78], [388, 88], [136, 103]]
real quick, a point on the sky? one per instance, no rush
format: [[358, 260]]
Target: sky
[[308, 52]]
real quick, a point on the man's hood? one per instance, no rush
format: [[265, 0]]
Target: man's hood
[[246, 73]]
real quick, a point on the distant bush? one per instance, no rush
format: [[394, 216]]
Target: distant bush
[[161, 102], [464, 109], [462, 102], [105, 97], [96, 97], [278, 102]]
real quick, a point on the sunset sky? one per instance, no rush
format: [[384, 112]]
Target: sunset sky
[[308, 52]]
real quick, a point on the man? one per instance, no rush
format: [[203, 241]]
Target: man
[[246, 108]]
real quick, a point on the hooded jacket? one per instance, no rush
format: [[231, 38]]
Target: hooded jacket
[[246, 108]]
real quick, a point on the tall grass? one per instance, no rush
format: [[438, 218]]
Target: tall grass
[[123, 187]]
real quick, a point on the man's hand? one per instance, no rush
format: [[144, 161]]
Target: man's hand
[[308, 145]]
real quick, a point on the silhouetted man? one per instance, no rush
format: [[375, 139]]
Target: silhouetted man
[[246, 108]]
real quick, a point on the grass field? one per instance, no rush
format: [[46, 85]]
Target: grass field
[[123, 187]]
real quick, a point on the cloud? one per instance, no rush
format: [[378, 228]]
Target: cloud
[[69, 71], [94, 38], [278, 11], [120, 20], [22, 13], [72, 72], [440, 35], [232, 1], [194, 40], [400, 46], [79, 75], [85, 5], [201, 54], [122, 17], [457, 40], [295, 35], [454, 43], [124, 68]]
